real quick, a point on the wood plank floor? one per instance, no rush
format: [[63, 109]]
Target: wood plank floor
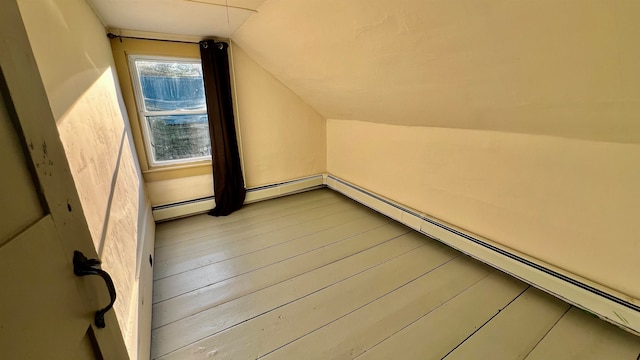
[[318, 276]]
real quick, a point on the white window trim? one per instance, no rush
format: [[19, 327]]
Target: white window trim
[[142, 113]]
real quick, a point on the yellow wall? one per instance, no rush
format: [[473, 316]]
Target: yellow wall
[[74, 59], [281, 137], [565, 68], [571, 203], [168, 191], [517, 120]]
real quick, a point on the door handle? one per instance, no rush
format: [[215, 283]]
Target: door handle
[[83, 267]]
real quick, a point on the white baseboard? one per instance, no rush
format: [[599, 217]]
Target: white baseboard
[[144, 279], [594, 298], [606, 303], [198, 206]]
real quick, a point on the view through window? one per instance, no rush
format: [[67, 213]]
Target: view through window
[[171, 103]]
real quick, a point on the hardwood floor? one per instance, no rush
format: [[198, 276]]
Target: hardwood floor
[[318, 276]]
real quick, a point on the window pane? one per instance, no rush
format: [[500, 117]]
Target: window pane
[[171, 85], [178, 137]]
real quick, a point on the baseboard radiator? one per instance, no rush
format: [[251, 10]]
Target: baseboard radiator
[[202, 205], [591, 297], [594, 298]]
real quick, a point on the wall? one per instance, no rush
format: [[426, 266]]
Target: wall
[[562, 68], [164, 184], [281, 137], [76, 65], [571, 203], [517, 120]]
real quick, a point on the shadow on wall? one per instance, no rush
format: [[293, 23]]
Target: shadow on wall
[[75, 62], [99, 151]]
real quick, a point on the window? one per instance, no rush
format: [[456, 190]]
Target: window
[[172, 109]]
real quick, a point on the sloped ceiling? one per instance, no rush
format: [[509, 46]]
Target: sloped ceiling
[[199, 18], [560, 68]]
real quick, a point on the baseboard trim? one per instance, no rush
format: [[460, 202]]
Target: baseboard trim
[[259, 193], [605, 303], [594, 298]]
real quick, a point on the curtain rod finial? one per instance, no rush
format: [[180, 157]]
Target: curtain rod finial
[[113, 36]]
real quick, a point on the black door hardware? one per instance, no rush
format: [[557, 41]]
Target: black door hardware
[[83, 267]]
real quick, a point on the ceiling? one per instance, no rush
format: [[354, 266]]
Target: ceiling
[[561, 68], [199, 18]]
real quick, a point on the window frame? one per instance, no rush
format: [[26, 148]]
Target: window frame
[[143, 113]]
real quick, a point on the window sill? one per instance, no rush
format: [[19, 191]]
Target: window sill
[[177, 171]]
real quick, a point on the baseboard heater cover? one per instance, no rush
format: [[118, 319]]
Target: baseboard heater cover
[[259, 193], [581, 293]]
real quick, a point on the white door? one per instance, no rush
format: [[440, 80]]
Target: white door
[[46, 312]]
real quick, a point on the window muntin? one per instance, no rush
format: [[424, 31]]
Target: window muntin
[[172, 109]]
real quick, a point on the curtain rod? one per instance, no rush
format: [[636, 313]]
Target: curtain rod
[[115, 36]]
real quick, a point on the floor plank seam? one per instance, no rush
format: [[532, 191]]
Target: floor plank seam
[[292, 301], [259, 208], [299, 275], [318, 275], [274, 245], [251, 224], [292, 257], [266, 248], [248, 210], [282, 281], [254, 251], [546, 333], [191, 251], [486, 322], [366, 304], [281, 223], [427, 313], [182, 245]]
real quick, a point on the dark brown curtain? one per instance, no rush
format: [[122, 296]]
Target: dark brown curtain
[[229, 190]]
